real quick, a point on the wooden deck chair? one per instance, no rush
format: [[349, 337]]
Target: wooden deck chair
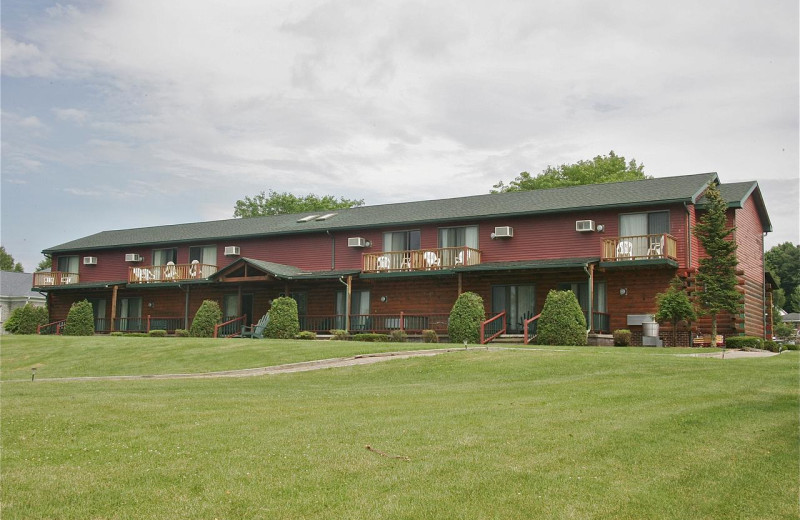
[[256, 331]]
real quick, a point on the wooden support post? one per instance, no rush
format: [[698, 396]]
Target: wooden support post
[[114, 289], [459, 284], [347, 304]]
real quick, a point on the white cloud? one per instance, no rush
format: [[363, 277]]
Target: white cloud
[[71, 114], [22, 59]]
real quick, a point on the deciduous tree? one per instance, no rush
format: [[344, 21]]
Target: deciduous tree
[[783, 260], [716, 275], [674, 306], [7, 262], [601, 169], [275, 203]]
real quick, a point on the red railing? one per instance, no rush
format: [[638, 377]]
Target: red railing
[[58, 325], [51, 278], [492, 326], [228, 328], [529, 328]]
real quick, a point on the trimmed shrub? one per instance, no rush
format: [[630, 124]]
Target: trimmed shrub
[[26, 319], [136, 335], [562, 321], [181, 333], [339, 335], [80, 320], [430, 336], [370, 337], [770, 345], [622, 338], [116, 334], [742, 342], [398, 336], [206, 317], [784, 330], [157, 333], [465, 318], [283, 320], [791, 346], [306, 334]]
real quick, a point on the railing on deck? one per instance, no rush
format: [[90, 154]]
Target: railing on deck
[[170, 273], [51, 328], [420, 259], [493, 327], [642, 247], [231, 327], [44, 279], [529, 327], [383, 323]]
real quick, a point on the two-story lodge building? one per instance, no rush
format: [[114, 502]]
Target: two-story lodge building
[[384, 267]]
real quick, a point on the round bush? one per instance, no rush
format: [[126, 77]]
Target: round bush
[[157, 333], [181, 333], [466, 318], [306, 334], [562, 321], [339, 335], [430, 336], [283, 320], [80, 320], [398, 336], [622, 338], [206, 317]]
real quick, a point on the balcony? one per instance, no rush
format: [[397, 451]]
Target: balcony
[[642, 247], [420, 259], [54, 278], [170, 273]]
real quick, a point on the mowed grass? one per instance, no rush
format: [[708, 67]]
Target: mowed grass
[[584, 433], [70, 356]]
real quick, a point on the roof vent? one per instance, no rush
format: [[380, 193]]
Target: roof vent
[[308, 218], [326, 216]]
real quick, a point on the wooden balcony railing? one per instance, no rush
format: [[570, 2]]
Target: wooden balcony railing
[[54, 278], [170, 273], [643, 247], [420, 259]]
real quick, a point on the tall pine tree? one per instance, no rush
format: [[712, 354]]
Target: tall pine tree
[[717, 273]]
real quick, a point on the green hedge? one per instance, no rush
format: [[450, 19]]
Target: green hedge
[[80, 320], [398, 336], [206, 317], [622, 338], [181, 333], [742, 342], [372, 338], [562, 321], [157, 333], [339, 335], [306, 334], [283, 320], [26, 319], [465, 319]]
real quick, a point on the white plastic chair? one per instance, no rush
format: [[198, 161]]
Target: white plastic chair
[[460, 258], [431, 259], [194, 269], [170, 272], [624, 249], [656, 247], [383, 263]]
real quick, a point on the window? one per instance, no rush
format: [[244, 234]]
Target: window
[[164, 256], [359, 309], [206, 255], [519, 302], [68, 264], [465, 236], [401, 241], [635, 227]]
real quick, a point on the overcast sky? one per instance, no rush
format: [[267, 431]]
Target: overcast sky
[[130, 113]]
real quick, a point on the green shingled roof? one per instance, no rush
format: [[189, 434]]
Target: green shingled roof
[[685, 188], [737, 193]]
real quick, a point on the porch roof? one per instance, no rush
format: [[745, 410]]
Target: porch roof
[[663, 190], [281, 271], [79, 285]]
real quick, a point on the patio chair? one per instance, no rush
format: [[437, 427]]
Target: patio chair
[[383, 263], [256, 331], [170, 272], [656, 247], [624, 249], [194, 269], [406, 263], [460, 258], [431, 260]]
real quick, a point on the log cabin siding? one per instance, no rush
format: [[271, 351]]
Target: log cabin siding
[[750, 252]]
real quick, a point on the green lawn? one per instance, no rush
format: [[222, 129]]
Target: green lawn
[[582, 433]]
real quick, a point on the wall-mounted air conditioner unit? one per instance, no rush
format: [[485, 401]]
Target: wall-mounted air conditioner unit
[[133, 257], [584, 225], [89, 260], [356, 242], [232, 251], [503, 232]]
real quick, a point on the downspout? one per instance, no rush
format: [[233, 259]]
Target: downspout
[[333, 249], [688, 238], [763, 291], [589, 270]]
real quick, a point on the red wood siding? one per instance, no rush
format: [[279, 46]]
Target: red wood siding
[[750, 241]]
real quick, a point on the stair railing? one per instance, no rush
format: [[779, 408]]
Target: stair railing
[[492, 324], [529, 328]]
